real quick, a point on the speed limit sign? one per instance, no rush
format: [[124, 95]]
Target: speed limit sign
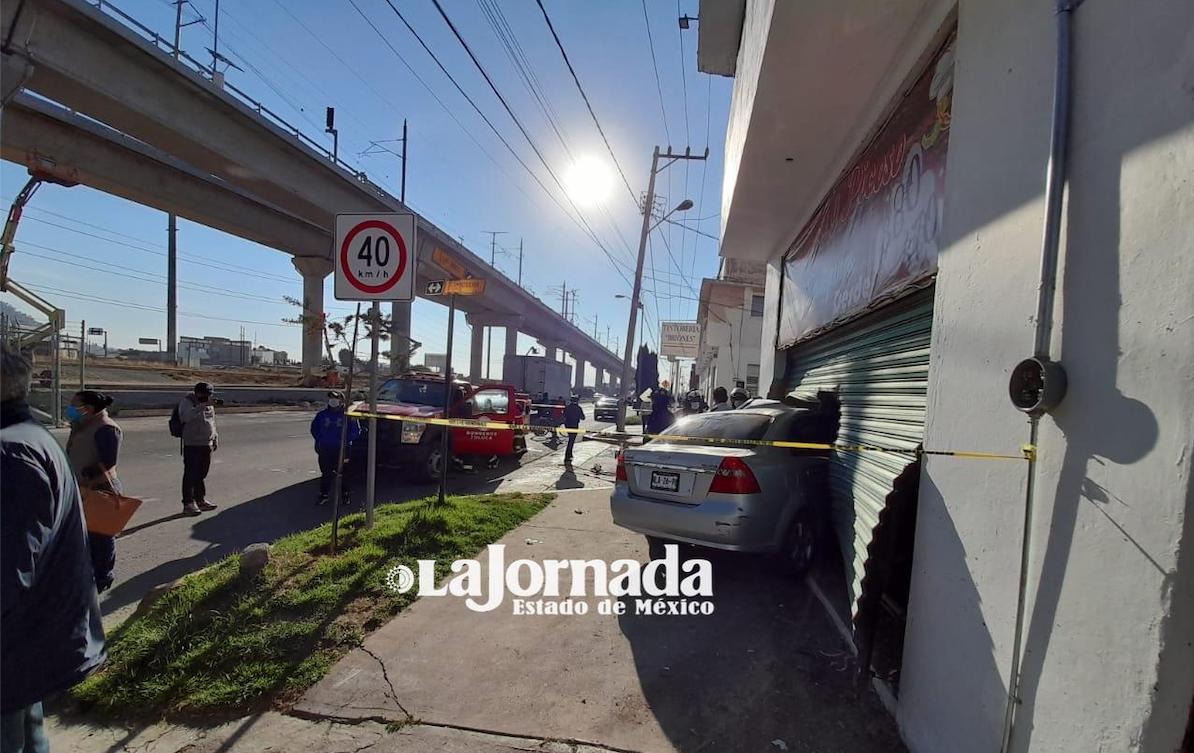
[[375, 257]]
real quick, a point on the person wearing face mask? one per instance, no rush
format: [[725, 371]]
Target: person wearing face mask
[[197, 414], [93, 448], [325, 430]]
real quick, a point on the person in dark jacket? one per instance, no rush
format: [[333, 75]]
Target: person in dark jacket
[[93, 448], [660, 416], [325, 430], [573, 415], [51, 636]]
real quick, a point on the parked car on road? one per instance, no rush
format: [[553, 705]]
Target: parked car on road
[[605, 409], [715, 493]]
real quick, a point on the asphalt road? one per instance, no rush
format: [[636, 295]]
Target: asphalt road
[[265, 481]]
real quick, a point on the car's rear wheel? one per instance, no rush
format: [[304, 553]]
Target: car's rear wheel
[[800, 544], [431, 463]]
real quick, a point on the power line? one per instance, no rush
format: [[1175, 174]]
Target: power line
[[585, 97], [579, 218], [655, 65], [217, 266], [143, 307], [683, 80], [522, 67], [148, 276]]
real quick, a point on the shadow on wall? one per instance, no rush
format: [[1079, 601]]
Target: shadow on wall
[[959, 640], [1101, 425]]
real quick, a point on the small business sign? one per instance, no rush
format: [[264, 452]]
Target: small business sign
[[679, 339], [375, 257], [95, 330], [149, 341]]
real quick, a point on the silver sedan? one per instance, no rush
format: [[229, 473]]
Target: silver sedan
[[739, 498]]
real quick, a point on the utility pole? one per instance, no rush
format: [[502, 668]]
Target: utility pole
[[493, 234], [330, 127], [215, 41], [172, 287], [402, 194], [636, 293], [172, 223], [520, 262]]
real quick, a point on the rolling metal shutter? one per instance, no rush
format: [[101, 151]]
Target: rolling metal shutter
[[878, 366]]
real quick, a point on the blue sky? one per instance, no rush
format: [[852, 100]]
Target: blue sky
[[103, 259]]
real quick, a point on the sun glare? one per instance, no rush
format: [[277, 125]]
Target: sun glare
[[588, 181]]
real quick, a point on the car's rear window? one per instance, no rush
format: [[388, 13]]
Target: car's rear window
[[722, 425]]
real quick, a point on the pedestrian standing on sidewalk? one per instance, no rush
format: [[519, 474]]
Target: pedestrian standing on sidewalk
[[93, 448], [197, 413], [325, 430], [51, 636], [573, 415]]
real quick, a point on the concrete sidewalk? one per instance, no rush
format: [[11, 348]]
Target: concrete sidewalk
[[765, 672]]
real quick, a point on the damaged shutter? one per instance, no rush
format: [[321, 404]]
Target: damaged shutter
[[878, 365]]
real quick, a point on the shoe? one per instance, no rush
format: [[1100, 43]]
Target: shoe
[[205, 506], [190, 508]]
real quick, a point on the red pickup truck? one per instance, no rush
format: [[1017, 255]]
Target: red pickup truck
[[416, 446]]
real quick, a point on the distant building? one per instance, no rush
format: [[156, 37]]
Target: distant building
[[215, 351], [730, 316], [435, 361]]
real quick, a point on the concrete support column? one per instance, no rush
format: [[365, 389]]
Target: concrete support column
[[475, 353], [511, 341], [598, 378], [550, 352], [400, 337], [314, 270], [579, 380]]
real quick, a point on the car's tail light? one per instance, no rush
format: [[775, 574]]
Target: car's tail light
[[620, 473], [734, 477]]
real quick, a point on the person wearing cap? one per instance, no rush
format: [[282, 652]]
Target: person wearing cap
[[325, 430], [197, 413], [738, 397], [573, 415]]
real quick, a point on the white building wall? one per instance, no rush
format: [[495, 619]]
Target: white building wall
[[738, 342], [1108, 662]]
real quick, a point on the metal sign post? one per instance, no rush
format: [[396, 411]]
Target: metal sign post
[[374, 261], [371, 475], [446, 431], [450, 288]]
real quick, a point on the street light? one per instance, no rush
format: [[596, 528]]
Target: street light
[[683, 206], [627, 298]]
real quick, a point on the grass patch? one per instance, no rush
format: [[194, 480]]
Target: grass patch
[[634, 419], [222, 643]]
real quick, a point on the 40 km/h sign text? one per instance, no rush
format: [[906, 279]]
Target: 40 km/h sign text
[[375, 258]]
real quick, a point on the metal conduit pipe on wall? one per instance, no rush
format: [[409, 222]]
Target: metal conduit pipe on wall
[[1038, 383]]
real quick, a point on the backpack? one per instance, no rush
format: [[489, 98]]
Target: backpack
[[175, 423]]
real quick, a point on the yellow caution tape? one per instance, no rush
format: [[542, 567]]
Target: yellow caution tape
[[1027, 452]]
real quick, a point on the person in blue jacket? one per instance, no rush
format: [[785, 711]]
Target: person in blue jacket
[[325, 429], [51, 635]]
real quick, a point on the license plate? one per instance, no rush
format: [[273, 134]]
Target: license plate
[[665, 482]]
